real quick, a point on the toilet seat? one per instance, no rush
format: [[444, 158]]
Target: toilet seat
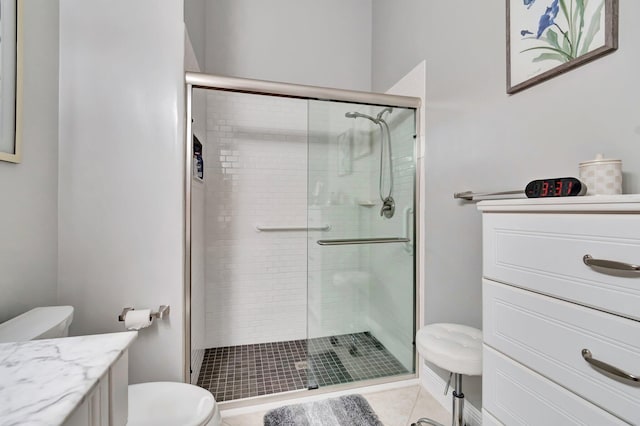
[[171, 404]]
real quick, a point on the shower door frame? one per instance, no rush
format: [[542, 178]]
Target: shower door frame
[[269, 88]]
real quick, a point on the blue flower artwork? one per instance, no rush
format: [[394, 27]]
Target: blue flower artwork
[[547, 34], [546, 20], [568, 39]]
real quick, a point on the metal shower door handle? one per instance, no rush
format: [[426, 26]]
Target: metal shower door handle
[[344, 242], [408, 246]]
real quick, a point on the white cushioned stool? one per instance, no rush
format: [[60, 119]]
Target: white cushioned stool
[[456, 348]]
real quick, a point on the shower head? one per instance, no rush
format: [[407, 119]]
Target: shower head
[[353, 114]]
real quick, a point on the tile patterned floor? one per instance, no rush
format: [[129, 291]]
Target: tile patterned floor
[[245, 371], [396, 407]]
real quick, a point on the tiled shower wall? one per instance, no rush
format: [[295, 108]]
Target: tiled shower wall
[[257, 286], [391, 300], [339, 183], [256, 175], [374, 283]]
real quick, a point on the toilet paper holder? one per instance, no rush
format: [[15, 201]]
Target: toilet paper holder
[[163, 311]]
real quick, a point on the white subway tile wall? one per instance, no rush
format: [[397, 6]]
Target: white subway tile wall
[[255, 175], [338, 183]]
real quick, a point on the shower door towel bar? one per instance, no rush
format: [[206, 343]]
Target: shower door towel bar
[[475, 196], [363, 241], [292, 228]]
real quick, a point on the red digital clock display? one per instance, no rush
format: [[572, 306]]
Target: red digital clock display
[[557, 187]]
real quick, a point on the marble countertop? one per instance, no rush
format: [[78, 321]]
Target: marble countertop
[[43, 381]]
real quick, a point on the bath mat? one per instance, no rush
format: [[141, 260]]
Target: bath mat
[[348, 410]]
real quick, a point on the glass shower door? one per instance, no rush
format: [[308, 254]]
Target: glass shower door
[[360, 273]]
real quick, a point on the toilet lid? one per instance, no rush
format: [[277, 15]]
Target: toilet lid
[[36, 323], [170, 404]]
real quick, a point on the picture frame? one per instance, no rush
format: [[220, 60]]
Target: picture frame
[[11, 80], [546, 38], [345, 153]]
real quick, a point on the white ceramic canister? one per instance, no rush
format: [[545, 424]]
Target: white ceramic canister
[[602, 176]]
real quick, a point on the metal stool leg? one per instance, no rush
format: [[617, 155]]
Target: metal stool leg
[[457, 408], [458, 402], [426, 421]]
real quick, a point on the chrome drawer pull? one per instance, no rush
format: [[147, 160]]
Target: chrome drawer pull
[[610, 264], [586, 354]]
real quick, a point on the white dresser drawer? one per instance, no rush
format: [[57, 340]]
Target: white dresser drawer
[[488, 419], [514, 395], [544, 253], [548, 335]]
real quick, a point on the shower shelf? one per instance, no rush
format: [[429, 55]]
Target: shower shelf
[[367, 203]]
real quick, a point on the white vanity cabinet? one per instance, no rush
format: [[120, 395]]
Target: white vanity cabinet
[[561, 311], [71, 381], [106, 404]]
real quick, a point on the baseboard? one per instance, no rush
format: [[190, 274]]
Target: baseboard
[[434, 384]]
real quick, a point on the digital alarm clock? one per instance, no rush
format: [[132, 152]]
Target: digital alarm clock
[[557, 187]]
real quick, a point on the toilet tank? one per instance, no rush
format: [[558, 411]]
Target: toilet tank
[[39, 323]]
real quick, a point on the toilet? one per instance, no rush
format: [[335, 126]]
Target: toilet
[[170, 404], [154, 403], [39, 323]]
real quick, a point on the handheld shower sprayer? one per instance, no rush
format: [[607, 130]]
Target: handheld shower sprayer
[[388, 205]]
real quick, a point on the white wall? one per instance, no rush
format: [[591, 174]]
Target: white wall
[[121, 172], [195, 22], [321, 43], [479, 138], [28, 212]]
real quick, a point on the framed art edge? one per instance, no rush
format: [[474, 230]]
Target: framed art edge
[[561, 69], [16, 157], [610, 45], [508, 45], [611, 36]]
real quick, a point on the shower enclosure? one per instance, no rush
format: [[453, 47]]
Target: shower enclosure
[[301, 237]]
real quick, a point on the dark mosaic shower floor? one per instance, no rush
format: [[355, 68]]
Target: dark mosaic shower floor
[[235, 372]]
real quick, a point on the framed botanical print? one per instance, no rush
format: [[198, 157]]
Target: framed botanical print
[[546, 38]]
